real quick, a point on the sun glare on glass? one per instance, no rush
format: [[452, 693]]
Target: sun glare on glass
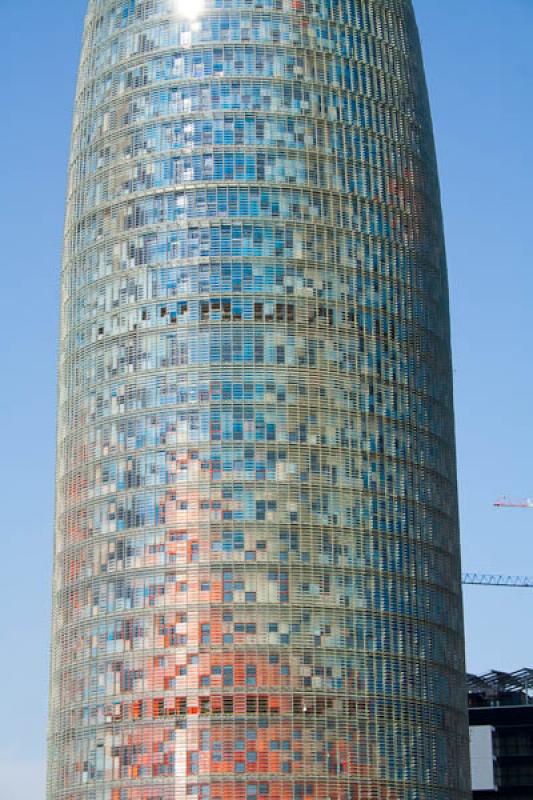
[[191, 9]]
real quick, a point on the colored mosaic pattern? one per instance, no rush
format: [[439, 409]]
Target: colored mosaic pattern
[[257, 581]]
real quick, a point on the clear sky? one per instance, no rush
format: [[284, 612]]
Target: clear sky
[[480, 74]]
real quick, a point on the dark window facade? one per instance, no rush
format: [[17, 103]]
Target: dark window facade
[[505, 703]]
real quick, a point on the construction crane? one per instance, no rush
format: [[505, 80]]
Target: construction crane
[[505, 502], [514, 581]]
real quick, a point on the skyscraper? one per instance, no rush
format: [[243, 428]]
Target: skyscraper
[[257, 582]]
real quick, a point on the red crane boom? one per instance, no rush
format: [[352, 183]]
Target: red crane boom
[[505, 502]]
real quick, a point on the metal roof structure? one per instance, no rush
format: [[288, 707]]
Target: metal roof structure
[[495, 683]]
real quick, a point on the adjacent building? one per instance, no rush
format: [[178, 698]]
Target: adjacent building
[[257, 586], [501, 734]]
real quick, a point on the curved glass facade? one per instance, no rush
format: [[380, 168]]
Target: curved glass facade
[[257, 581]]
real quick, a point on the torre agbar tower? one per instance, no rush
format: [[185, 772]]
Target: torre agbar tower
[[257, 580]]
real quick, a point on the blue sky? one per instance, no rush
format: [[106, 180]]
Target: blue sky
[[480, 74]]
